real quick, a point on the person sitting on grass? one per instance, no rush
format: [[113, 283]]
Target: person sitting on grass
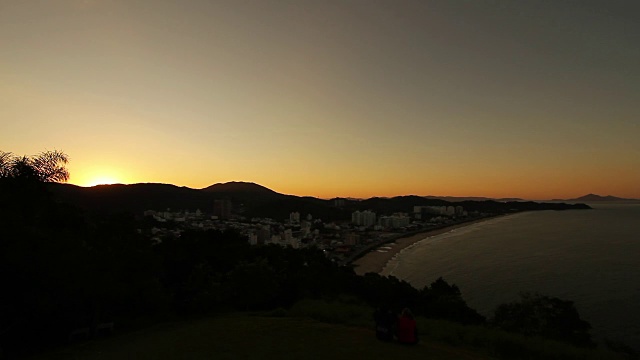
[[384, 324], [407, 328]]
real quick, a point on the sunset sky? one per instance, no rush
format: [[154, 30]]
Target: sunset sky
[[531, 99]]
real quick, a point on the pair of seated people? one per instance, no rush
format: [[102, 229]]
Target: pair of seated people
[[403, 327]]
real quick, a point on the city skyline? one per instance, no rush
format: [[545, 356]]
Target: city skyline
[[535, 100]]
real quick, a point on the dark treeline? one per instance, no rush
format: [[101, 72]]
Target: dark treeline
[[64, 268]]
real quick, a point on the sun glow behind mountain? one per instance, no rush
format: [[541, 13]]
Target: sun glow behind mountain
[[100, 173], [469, 98], [101, 180]]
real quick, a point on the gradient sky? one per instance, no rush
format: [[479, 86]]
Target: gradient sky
[[531, 99]]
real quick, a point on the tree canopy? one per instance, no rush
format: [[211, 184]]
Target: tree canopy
[[540, 315], [47, 166]]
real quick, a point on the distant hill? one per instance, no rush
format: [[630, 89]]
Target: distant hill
[[253, 200], [598, 198], [134, 198], [470, 198], [243, 193], [240, 187]]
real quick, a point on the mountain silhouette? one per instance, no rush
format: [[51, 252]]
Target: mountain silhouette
[[594, 198], [472, 198], [253, 200], [240, 187], [134, 198]]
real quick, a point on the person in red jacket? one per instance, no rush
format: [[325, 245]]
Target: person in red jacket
[[407, 328]]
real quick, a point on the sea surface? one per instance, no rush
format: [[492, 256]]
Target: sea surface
[[591, 257]]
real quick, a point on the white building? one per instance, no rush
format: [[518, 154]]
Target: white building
[[394, 221], [275, 239], [253, 239], [363, 218], [287, 235], [438, 210]]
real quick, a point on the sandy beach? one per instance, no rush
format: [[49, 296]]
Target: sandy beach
[[374, 261]]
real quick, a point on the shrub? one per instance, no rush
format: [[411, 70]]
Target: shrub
[[544, 316]]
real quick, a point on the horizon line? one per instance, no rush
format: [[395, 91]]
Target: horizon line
[[351, 197]]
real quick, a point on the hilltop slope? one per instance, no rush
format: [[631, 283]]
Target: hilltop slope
[[245, 337]]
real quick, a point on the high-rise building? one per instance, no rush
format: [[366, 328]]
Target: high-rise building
[[394, 221], [287, 235], [421, 212], [222, 209], [264, 234], [363, 218], [253, 239]]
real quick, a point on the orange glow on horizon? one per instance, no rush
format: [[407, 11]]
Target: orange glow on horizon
[[93, 176], [338, 108], [348, 184], [328, 191], [101, 180]]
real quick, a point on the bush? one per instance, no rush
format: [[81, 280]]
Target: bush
[[504, 345], [544, 316]]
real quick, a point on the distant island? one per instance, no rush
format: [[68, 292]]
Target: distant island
[[597, 198]]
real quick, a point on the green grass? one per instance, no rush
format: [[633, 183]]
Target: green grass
[[316, 329], [253, 337], [478, 339], [506, 345], [346, 312]]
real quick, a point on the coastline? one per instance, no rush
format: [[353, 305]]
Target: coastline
[[375, 261]]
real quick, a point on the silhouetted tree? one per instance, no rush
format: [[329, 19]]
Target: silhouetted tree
[[444, 301], [62, 268], [22, 182], [550, 317], [47, 166], [31, 259]]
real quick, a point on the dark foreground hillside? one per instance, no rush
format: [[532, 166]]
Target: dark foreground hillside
[[302, 336], [247, 337]]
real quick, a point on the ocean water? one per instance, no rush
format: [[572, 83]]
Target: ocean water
[[591, 257]]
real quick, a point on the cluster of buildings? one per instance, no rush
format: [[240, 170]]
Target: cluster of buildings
[[422, 212], [367, 219], [337, 239], [170, 223], [177, 216], [294, 233]]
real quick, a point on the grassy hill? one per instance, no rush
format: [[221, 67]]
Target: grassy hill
[[301, 335], [251, 337]]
